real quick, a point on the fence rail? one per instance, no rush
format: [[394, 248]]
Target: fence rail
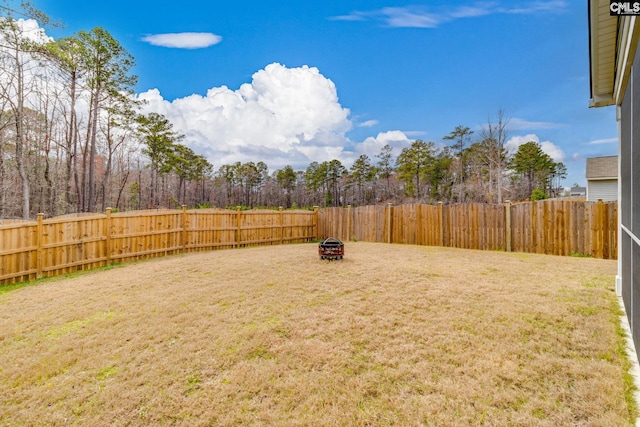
[[555, 227], [50, 247]]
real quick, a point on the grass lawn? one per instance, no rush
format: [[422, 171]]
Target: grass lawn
[[392, 335]]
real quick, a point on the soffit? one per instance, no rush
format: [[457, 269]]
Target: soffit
[[603, 34]]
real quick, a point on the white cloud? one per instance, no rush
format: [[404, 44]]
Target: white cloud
[[537, 6], [353, 16], [555, 152], [522, 124], [30, 30], [183, 40], [471, 11], [410, 18], [548, 147], [420, 17], [372, 145], [34, 71], [603, 141], [414, 132], [284, 116], [368, 124]]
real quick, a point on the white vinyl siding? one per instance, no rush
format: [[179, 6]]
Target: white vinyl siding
[[606, 189]]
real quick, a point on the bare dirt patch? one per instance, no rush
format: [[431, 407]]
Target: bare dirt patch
[[391, 335]]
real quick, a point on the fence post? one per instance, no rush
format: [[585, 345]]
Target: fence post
[[418, 226], [599, 222], [315, 223], [507, 212], [534, 225], [39, 238], [184, 229], [238, 232], [281, 225], [441, 222], [388, 222], [348, 223], [107, 235]]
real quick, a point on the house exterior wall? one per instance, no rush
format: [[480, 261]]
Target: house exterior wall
[[605, 189], [614, 60], [578, 192], [629, 266]]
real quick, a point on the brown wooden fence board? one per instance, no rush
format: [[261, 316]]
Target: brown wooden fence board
[[146, 235], [66, 244], [369, 223], [18, 251], [557, 227], [78, 242]]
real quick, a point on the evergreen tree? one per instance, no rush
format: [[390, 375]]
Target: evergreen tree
[[460, 136], [385, 166], [533, 164], [286, 179], [107, 66], [156, 132], [362, 172], [413, 165]]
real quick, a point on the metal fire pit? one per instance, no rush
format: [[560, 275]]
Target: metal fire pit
[[331, 248]]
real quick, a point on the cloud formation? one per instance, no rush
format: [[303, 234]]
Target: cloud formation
[[522, 124], [284, 116], [421, 17], [30, 30], [368, 124], [548, 147], [603, 141], [394, 138], [183, 40]]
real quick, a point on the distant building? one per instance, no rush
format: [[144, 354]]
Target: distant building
[[577, 191], [602, 179]]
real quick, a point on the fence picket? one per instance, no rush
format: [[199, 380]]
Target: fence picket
[[555, 227], [65, 244], [62, 245]]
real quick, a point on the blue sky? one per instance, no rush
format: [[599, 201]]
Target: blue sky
[[346, 76]]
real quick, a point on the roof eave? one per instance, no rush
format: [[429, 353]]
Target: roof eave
[[601, 101], [612, 46], [603, 35]]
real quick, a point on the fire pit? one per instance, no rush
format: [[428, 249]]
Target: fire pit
[[331, 248]]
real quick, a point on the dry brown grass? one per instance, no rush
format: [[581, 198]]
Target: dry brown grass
[[391, 335]]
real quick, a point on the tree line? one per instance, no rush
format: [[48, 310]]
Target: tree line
[[73, 139]]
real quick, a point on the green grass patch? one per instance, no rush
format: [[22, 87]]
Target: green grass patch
[[15, 286], [106, 372], [60, 331]]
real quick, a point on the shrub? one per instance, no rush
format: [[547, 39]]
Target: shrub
[[538, 194]]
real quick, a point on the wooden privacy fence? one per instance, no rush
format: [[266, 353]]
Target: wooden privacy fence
[[555, 227], [49, 247]]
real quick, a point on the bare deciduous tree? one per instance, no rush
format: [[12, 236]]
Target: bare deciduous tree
[[493, 139]]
